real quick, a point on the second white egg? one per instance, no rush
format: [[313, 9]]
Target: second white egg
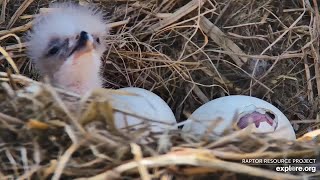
[[142, 107]]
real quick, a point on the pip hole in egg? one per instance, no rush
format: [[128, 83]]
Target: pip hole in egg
[[257, 118]]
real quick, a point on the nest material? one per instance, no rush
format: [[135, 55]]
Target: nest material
[[188, 52]]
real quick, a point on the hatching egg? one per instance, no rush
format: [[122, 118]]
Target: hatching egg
[[139, 107], [241, 111]]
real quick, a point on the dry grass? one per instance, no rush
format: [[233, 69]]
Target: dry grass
[[188, 52]]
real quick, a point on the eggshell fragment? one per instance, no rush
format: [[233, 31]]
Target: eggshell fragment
[[144, 108], [241, 111]]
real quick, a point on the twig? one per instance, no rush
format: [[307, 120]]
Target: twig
[[3, 11], [192, 5], [194, 157], [64, 159], [22, 28], [19, 11], [222, 40]]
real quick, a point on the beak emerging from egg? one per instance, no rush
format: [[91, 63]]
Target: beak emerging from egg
[[258, 117]]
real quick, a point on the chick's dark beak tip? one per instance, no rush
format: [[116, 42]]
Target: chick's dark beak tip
[[84, 37], [82, 43]]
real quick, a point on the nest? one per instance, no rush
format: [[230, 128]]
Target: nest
[[187, 52]]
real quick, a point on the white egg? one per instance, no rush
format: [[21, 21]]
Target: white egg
[[241, 111], [142, 107]]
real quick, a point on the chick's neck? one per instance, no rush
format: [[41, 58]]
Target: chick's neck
[[80, 75]]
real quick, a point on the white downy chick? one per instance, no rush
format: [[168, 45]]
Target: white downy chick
[[66, 44]]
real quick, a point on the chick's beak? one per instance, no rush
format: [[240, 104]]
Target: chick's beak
[[83, 46]]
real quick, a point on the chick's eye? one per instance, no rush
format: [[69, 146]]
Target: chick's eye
[[53, 50], [98, 40]]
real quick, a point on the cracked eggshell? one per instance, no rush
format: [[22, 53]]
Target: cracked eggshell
[[246, 109], [142, 103]]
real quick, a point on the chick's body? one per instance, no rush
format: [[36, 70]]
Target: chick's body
[[66, 44]]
